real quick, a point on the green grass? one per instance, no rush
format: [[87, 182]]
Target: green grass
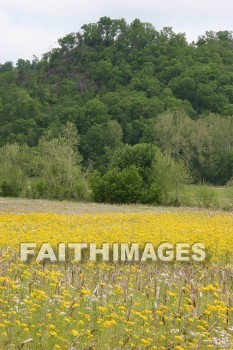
[[205, 196]]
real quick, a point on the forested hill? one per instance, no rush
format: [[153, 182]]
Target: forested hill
[[128, 83]]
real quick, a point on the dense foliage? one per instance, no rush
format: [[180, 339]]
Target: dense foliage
[[119, 84]]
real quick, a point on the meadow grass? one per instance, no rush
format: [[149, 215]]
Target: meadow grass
[[209, 197], [111, 306]]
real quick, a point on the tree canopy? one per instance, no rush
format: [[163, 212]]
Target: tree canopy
[[122, 84]]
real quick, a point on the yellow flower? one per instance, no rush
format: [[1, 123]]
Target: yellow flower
[[53, 333], [109, 323], [102, 309], [52, 326], [75, 332]]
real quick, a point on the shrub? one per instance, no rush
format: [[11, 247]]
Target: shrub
[[206, 197], [9, 189], [117, 186]]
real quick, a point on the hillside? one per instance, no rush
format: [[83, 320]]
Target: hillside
[[121, 83]]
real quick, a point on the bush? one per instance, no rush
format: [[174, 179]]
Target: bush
[[10, 189], [230, 184], [230, 192], [151, 194], [206, 197], [13, 171], [140, 156], [117, 186]]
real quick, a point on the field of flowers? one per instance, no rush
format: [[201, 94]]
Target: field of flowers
[[113, 306]]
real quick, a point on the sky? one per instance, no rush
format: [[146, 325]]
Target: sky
[[33, 27]]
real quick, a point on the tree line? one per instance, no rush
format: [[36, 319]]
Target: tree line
[[121, 87]]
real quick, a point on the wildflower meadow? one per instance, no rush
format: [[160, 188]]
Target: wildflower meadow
[[107, 305]]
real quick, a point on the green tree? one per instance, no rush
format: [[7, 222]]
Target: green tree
[[15, 166], [60, 169], [117, 186], [168, 178]]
